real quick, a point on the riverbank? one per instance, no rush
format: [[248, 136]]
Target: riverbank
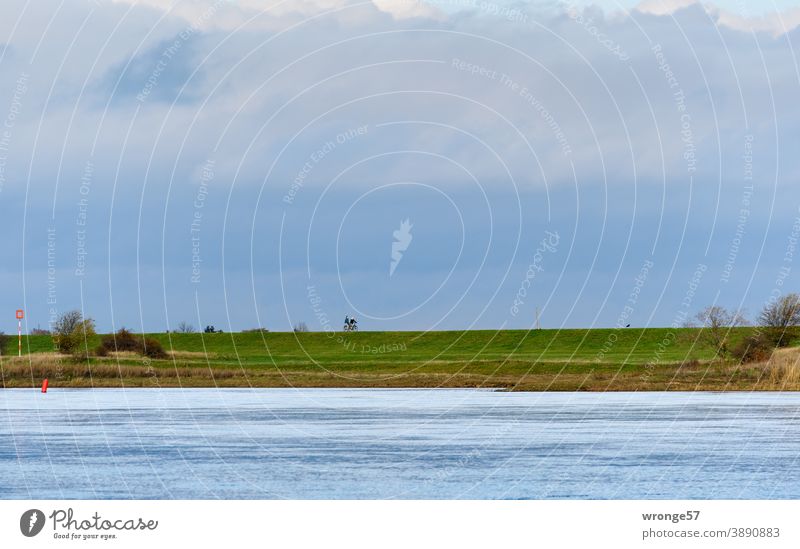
[[566, 360]]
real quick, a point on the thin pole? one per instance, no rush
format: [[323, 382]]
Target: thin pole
[[19, 335]]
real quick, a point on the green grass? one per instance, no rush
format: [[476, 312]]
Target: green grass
[[606, 345], [543, 359]]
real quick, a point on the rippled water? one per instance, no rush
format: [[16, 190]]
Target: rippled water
[[271, 443]]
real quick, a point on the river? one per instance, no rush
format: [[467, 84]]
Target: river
[[408, 444]]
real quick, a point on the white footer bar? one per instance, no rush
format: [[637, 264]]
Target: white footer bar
[[389, 524]]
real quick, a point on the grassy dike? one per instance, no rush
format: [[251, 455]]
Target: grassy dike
[[653, 359]]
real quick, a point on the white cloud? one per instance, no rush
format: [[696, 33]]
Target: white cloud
[[404, 9], [663, 7], [365, 66], [775, 22]]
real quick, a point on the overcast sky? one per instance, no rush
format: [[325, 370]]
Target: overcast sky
[[252, 163]]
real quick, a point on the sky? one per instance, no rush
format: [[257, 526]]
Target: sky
[[450, 164]]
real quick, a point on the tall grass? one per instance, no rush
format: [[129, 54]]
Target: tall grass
[[57, 367], [783, 368]]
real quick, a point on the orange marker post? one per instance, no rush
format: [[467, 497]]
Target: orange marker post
[[20, 316], [44, 385]]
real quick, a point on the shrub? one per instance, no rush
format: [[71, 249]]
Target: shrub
[[80, 337], [66, 331], [756, 347], [152, 348], [782, 337], [4, 339], [72, 332], [101, 350], [123, 340]]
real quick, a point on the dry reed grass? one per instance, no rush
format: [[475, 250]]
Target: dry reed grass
[[783, 368], [59, 367]]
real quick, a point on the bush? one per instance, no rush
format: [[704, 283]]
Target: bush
[[67, 333], [782, 337], [4, 340], [123, 340], [152, 348], [72, 332], [80, 337], [756, 347], [101, 350]]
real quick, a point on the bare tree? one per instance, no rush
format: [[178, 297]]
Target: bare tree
[[67, 322], [716, 324], [185, 328], [301, 327], [781, 318]]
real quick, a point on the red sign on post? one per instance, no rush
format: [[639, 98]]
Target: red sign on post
[[20, 314]]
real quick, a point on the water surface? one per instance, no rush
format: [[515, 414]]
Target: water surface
[[332, 443]]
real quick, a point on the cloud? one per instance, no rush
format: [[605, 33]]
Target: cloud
[[577, 92], [611, 127], [404, 9], [775, 23], [664, 7]]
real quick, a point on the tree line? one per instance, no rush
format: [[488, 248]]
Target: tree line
[[777, 325]]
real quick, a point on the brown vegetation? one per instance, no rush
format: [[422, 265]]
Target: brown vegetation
[[783, 369], [125, 341]]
